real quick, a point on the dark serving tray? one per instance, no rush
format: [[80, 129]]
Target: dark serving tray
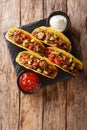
[[14, 50]]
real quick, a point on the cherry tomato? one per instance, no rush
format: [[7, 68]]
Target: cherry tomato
[[57, 61], [31, 47], [29, 81]]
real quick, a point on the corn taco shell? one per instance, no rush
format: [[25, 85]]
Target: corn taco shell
[[52, 37], [24, 40], [35, 62], [64, 60]]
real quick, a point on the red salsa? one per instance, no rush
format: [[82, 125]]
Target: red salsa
[[29, 81]]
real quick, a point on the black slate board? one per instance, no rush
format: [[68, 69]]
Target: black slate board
[[14, 50]]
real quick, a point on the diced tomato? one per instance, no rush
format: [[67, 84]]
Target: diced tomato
[[52, 55], [26, 57], [35, 64], [51, 59], [48, 51], [19, 34], [57, 61], [31, 47], [23, 36], [27, 37], [22, 61]]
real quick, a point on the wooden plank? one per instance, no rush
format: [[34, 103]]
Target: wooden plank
[[77, 87], [55, 95], [33, 9], [9, 94], [31, 106], [55, 107], [54, 5], [31, 110]]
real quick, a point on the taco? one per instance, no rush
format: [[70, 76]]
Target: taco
[[24, 40], [35, 62], [64, 60], [52, 37]]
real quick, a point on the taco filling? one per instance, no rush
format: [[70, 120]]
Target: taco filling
[[24, 40], [64, 61], [37, 64], [51, 38]]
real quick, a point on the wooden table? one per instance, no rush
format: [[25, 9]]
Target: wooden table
[[61, 106]]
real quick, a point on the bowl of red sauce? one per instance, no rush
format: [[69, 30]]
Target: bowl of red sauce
[[29, 82]]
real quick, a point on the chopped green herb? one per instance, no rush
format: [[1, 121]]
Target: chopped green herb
[[32, 40], [71, 59], [60, 54], [72, 66], [45, 41], [39, 70], [45, 72], [52, 38], [55, 36], [29, 62]]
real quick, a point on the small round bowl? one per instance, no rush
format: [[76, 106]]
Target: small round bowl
[[31, 92], [63, 14]]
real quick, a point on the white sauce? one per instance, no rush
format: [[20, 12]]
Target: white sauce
[[58, 22]]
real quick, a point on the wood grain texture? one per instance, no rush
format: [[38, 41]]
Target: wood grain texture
[[55, 107], [31, 111], [31, 106], [9, 94], [55, 95], [61, 106], [33, 9], [54, 5], [77, 87]]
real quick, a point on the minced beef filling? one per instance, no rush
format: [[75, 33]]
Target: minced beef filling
[[63, 61], [25, 41], [52, 39], [37, 64]]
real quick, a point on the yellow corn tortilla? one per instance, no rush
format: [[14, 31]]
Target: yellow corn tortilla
[[57, 51], [40, 57], [26, 33], [56, 32]]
